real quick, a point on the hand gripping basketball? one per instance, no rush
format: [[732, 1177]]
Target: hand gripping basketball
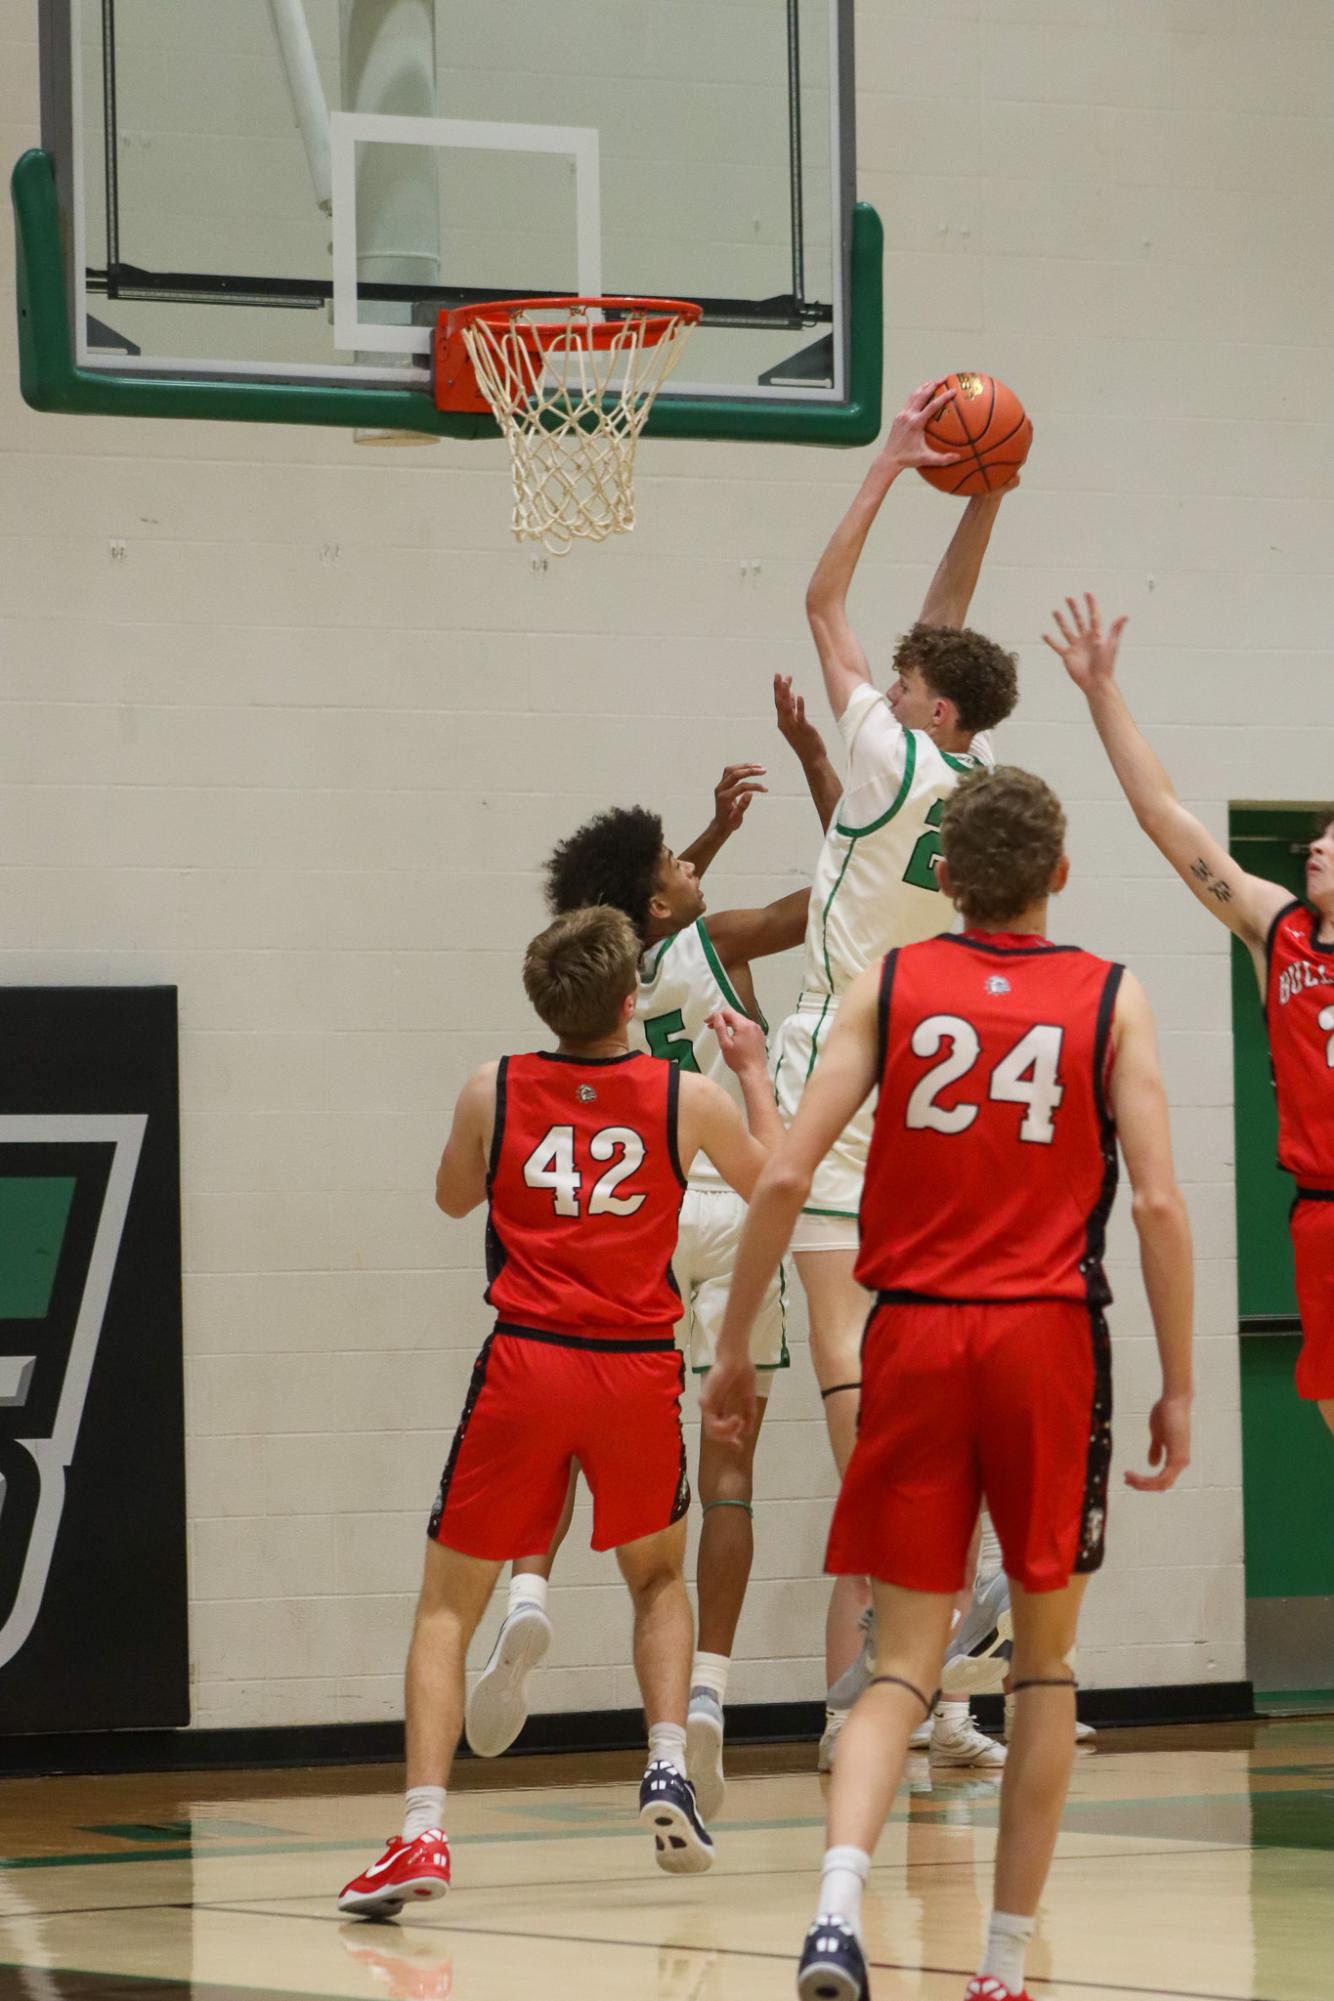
[[984, 427]]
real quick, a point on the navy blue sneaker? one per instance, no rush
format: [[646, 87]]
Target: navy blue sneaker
[[681, 1843], [833, 1966]]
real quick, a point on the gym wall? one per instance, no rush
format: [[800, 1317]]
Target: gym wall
[[289, 725]]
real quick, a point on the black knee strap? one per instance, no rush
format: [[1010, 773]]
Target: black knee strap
[[912, 1688], [1056, 1681], [834, 1389]]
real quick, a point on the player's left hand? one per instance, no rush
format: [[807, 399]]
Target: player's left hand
[[740, 1039], [793, 725], [1087, 653], [1169, 1446], [733, 794], [727, 1403]]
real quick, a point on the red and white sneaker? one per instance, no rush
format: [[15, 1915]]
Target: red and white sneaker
[[985, 1987], [407, 1869]]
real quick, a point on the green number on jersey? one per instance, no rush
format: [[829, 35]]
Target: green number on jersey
[[925, 857], [666, 1035]]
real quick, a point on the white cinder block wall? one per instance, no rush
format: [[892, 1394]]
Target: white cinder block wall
[[301, 747]]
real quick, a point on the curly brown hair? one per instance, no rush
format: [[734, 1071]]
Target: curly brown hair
[[579, 970], [1002, 835], [963, 667]]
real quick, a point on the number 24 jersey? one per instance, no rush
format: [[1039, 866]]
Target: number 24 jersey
[[585, 1190], [992, 1164]]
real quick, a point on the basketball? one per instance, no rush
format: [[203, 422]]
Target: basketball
[[987, 422]]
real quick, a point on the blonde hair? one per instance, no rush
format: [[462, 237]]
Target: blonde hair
[[578, 972], [1002, 834]]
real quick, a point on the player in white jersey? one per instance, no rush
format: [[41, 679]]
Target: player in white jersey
[[691, 967], [875, 887]]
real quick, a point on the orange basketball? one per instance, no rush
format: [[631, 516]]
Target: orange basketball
[[987, 424]]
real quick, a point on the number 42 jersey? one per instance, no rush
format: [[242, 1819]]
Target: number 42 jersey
[[992, 1165], [585, 1190]]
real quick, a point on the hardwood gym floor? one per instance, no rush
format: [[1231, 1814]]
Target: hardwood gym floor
[[1195, 1865]]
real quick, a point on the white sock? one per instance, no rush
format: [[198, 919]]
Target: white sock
[[842, 1879], [527, 1590], [1008, 1940], [710, 1671], [667, 1743], [423, 1810]]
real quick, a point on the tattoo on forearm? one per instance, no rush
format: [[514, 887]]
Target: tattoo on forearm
[[1215, 884]]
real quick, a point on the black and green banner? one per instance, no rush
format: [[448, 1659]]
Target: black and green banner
[[93, 1609]]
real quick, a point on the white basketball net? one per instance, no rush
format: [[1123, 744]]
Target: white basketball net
[[572, 412]]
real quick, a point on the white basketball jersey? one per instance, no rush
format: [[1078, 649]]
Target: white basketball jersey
[[681, 983], [875, 882]]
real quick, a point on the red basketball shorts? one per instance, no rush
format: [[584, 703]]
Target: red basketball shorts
[[1312, 1225], [1009, 1401], [538, 1401]]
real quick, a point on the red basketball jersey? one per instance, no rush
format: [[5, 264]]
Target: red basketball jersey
[[1299, 1012], [585, 1186], [992, 1163]]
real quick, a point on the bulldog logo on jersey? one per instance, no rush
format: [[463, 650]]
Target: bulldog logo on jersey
[[65, 1185], [586, 1095], [998, 984]]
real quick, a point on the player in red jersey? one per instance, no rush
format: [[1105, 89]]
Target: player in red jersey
[[1007, 1068], [581, 1154], [1292, 948]]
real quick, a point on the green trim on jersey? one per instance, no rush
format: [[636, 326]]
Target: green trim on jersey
[[815, 1038], [847, 1215], [909, 766], [962, 760], [729, 992]]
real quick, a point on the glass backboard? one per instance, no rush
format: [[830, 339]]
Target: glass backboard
[[272, 200]]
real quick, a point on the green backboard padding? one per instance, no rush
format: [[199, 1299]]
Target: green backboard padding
[[34, 1210], [50, 379]]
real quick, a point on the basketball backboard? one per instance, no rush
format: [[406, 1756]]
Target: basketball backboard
[[257, 210]]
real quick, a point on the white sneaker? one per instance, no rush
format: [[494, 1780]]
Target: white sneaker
[[704, 1752], [956, 1740], [834, 1719], [497, 1709], [978, 1657]]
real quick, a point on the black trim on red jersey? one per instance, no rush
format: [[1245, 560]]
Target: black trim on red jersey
[[1098, 1461], [1098, 1292], [1314, 1195], [465, 1418], [657, 1345], [597, 1062], [1037, 949], [901, 1296], [887, 970], [673, 1113], [495, 1250], [1275, 921]]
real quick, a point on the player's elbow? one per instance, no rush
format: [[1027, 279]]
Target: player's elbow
[[451, 1199], [1159, 1211], [784, 1183]]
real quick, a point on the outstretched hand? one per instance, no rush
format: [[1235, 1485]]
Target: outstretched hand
[[733, 794], [907, 443], [740, 1039], [793, 724], [1086, 652], [1169, 1446]]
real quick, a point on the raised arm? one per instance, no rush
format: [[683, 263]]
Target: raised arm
[[1139, 1106], [708, 1118], [1247, 904], [845, 1077], [822, 780], [952, 587], [460, 1179], [842, 660], [731, 796]]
